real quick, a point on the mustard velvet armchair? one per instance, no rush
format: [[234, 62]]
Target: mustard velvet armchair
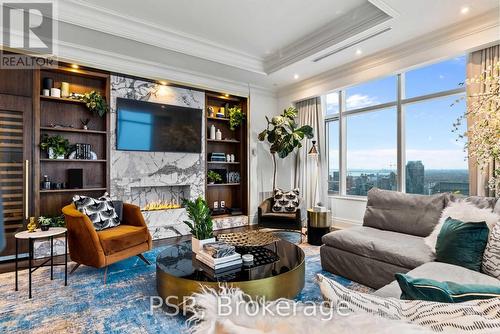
[[101, 248]]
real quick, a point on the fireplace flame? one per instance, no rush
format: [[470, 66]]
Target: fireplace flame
[[161, 205]]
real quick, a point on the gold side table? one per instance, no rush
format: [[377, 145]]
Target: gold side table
[[318, 224]]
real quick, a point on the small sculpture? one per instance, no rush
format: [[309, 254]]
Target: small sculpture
[[31, 225]]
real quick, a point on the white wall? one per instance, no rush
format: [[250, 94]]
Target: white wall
[[444, 44]]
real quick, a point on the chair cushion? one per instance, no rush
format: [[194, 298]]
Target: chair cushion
[[440, 272], [279, 216], [400, 249], [403, 213], [286, 201], [116, 239]]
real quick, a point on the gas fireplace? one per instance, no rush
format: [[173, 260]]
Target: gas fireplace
[[156, 198]]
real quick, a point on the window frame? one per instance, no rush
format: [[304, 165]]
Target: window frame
[[400, 104]]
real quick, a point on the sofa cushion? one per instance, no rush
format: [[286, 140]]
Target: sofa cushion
[[440, 272], [462, 243], [405, 213], [404, 250], [116, 239], [445, 292]]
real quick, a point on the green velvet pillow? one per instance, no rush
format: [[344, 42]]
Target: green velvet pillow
[[443, 292], [462, 243]]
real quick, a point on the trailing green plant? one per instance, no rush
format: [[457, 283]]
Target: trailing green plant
[[201, 224], [214, 176], [58, 144], [284, 135], [56, 221], [95, 102], [236, 117]]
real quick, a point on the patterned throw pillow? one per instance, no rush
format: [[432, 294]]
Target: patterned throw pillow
[[286, 202], [477, 316], [491, 256], [101, 211]]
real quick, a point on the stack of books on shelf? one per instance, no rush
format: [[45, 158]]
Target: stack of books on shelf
[[219, 257]]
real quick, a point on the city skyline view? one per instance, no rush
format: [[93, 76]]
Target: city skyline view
[[371, 137]]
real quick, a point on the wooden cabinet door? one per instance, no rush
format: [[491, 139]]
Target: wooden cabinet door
[[16, 141]]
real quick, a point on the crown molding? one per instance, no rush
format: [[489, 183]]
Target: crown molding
[[84, 14], [127, 65], [477, 25], [336, 32]]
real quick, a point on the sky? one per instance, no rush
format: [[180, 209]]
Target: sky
[[371, 137]]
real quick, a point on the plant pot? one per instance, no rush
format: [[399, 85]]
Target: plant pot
[[197, 245], [211, 182], [44, 227], [52, 155]]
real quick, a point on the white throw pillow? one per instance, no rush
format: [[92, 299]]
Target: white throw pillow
[[463, 211], [477, 316], [491, 256]]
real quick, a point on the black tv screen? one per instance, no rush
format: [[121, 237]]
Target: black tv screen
[[155, 127]]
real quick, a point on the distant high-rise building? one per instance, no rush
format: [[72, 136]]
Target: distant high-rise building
[[415, 171], [451, 187]]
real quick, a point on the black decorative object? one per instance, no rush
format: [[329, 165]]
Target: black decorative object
[[75, 178], [47, 83]]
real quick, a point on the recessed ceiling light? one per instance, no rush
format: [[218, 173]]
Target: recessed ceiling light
[[464, 10], [358, 52], [163, 83], [226, 95], [295, 76], [75, 66]]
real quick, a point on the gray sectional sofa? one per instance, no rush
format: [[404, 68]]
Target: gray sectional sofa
[[391, 240]]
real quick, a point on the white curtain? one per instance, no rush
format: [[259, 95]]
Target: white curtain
[[311, 172]]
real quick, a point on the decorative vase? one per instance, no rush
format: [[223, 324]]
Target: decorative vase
[[218, 135], [212, 132], [31, 225], [64, 89], [52, 155], [197, 245]]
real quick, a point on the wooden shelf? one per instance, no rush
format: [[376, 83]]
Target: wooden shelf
[[60, 99], [223, 163], [229, 141], [72, 160], [222, 119], [48, 128], [223, 184], [222, 97], [71, 190]]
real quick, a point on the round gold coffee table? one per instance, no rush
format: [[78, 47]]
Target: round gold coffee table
[[179, 274]]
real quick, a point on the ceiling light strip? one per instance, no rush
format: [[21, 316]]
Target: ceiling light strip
[[331, 53]]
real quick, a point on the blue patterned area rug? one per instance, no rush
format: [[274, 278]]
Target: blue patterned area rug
[[120, 306]]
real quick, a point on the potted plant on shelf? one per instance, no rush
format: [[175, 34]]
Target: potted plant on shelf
[[284, 135], [236, 117], [56, 146], [45, 223], [200, 223], [213, 177], [95, 102]]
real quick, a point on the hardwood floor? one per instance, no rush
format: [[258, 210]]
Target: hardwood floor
[[9, 266]]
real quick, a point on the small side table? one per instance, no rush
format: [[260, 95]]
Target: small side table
[[318, 224], [38, 234]]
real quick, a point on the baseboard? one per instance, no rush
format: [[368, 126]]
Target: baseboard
[[341, 223]]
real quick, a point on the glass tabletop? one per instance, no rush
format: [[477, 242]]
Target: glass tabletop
[[271, 260]]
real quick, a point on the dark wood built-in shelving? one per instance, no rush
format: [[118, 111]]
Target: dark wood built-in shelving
[[235, 195], [67, 114]]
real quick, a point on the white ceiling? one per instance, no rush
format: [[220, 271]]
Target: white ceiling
[[271, 41]]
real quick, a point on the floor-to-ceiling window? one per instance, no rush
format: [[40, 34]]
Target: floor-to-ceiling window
[[396, 133]]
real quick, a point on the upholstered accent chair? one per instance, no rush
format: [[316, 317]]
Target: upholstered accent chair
[[278, 220], [101, 248]]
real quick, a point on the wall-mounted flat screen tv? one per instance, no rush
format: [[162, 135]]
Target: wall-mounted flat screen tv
[[155, 127]]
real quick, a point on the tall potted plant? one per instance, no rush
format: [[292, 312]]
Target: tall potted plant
[[200, 224], [284, 135]]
